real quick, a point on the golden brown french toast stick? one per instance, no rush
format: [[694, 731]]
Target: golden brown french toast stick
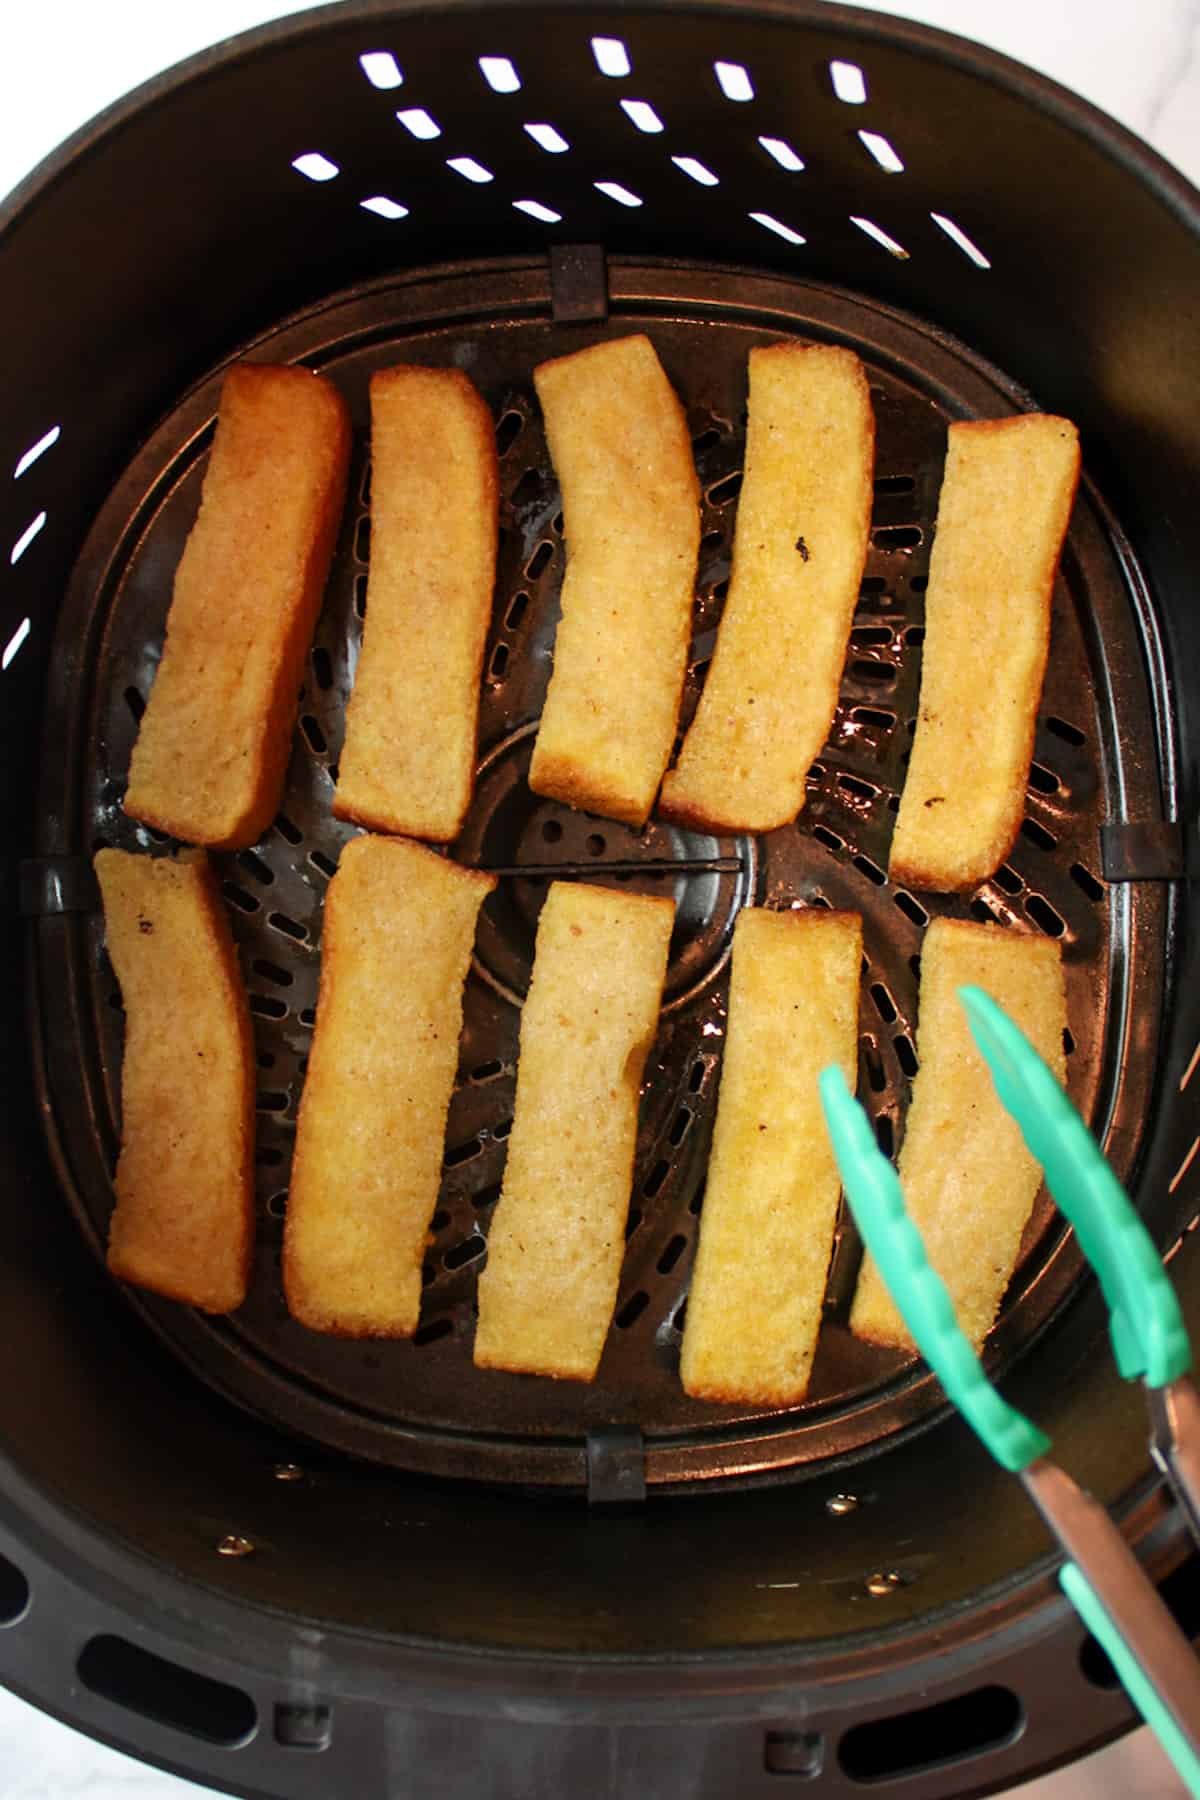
[[547, 1294], [1003, 513], [396, 946], [969, 1182], [631, 509], [184, 1218], [212, 751], [799, 547], [771, 1200], [408, 764]]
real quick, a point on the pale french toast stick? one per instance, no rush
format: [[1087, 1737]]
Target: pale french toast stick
[[631, 510], [396, 946], [800, 542], [212, 750], [969, 1182], [408, 764], [1003, 512], [771, 1200], [556, 1243], [184, 1219]]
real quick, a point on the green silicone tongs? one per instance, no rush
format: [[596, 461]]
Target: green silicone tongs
[[1102, 1578]]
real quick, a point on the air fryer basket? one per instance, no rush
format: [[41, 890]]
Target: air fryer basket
[[223, 1588]]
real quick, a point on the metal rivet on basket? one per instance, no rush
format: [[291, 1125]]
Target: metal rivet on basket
[[884, 1582], [233, 1544], [840, 1504], [288, 1471]]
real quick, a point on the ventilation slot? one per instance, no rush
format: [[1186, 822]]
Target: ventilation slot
[[770, 223], [912, 909], [470, 170], [290, 927], [671, 1255], [878, 674], [429, 1334], [655, 1179], [166, 1692], [884, 1004], [314, 736], [1037, 834], [958, 236], [698, 171], [883, 152], [381, 69], [881, 237], [14, 1593], [612, 58], [26, 538], [469, 1251], [35, 450], [734, 81], [1045, 917], [896, 537], [255, 866], [643, 115], [1085, 880], [315, 166], [14, 643], [632, 1311], [614, 191], [932, 1736], [384, 207], [1044, 780], [500, 74], [1070, 734], [849, 83], [547, 138], [420, 123], [783, 153]]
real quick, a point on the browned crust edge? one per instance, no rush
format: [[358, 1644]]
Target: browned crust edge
[[542, 1372], [687, 814], [558, 778], [935, 881], [746, 1396]]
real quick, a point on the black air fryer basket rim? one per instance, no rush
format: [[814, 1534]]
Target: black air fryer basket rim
[[119, 1582], [1133, 154]]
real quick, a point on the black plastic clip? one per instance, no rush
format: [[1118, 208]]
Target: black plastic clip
[[578, 284], [616, 1465], [57, 884], [1152, 850]]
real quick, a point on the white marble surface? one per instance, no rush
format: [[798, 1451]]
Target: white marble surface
[[63, 60]]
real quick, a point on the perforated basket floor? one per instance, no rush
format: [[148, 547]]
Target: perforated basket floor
[[422, 1404]]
